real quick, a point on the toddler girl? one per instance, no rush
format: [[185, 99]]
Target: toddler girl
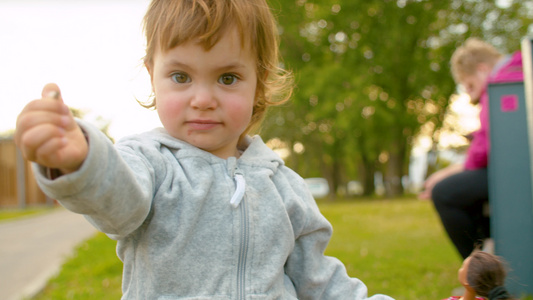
[[200, 209]]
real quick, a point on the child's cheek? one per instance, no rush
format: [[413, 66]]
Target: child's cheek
[[241, 112], [170, 111]]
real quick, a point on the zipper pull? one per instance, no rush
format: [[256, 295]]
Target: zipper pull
[[239, 189]]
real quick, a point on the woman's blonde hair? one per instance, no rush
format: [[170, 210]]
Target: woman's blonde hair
[[473, 52], [170, 23]]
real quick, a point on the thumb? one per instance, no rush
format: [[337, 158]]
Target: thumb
[[51, 90]]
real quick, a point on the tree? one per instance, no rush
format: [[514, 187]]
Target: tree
[[371, 73]]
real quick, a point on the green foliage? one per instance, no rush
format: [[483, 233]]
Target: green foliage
[[371, 73]]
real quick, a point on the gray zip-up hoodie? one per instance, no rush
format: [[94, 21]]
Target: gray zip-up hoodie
[[167, 204]]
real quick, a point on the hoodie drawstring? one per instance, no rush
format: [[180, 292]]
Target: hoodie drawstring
[[239, 190]]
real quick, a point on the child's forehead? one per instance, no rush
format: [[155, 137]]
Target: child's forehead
[[231, 37], [226, 51]]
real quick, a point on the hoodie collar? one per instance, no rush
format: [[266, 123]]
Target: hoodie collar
[[254, 151]]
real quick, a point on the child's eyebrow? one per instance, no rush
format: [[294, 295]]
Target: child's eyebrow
[[231, 66], [223, 67], [176, 64]]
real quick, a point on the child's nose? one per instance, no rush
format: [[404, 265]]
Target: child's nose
[[204, 98]]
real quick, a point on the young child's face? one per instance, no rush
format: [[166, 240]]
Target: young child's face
[[475, 83], [206, 98]]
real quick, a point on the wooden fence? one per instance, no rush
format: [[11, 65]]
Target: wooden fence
[[18, 188]]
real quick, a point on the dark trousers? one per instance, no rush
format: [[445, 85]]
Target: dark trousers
[[459, 200]]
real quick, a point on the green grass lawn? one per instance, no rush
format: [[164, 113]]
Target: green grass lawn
[[94, 272], [396, 247]]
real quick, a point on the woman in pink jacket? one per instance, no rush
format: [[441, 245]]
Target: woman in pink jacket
[[460, 191]]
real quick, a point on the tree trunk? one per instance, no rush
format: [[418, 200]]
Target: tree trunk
[[395, 170], [393, 179], [368, 169], [334, 178]]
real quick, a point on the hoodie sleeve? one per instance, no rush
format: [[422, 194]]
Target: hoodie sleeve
[[114, 191], [316, 276]]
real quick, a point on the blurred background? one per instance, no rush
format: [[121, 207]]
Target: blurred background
[[92, 49], [374, 110]]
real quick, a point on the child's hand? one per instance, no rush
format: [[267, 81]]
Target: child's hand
[[47, 133]]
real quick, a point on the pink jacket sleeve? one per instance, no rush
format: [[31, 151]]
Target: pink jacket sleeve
[[477, 155]]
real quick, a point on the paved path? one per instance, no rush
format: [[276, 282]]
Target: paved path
[[33, 249]]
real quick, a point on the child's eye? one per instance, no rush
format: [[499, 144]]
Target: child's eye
[[227, 79], [180, 78]]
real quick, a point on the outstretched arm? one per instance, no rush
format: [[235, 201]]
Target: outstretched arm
[[47, 133]]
